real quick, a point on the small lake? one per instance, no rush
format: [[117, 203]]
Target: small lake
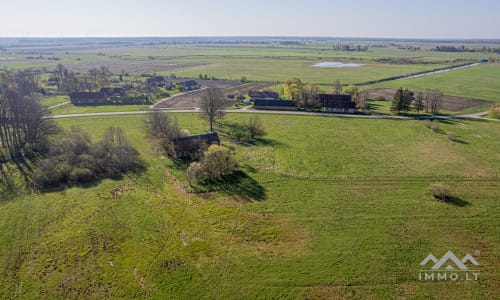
[[328, 64]]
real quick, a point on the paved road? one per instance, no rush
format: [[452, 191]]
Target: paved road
[[58, 105], [299, 113]]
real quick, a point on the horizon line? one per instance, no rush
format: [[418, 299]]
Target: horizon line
[[245, 36]]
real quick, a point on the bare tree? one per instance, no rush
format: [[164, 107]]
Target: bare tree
[[23, 128], [59, 73], [212, 104], [361, 101], [419, 102], [255, 127], [337, 87], [161, 129], [436, 101], [433, 100]]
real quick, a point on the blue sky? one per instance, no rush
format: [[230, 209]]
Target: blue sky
[[362, 18]]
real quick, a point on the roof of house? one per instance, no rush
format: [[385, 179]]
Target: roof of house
[[337, 101], [156, 79], [188, 83], [282, 103], [263, 95], [192, 143]]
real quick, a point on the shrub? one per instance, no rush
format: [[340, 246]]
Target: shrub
[[255, 127], [452, 137], [239, 133], [440, 191], [431, 124], [494, 112], [216, 162], [81, 175]]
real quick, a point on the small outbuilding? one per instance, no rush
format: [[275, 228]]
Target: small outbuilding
[[188, 146]]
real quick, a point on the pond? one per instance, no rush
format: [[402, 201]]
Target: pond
[[328, 64]]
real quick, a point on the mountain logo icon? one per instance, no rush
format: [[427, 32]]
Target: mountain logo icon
[[449, 262]]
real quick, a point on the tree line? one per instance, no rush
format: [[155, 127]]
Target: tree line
[[307, 95], [69, 81], [462, 48], [405, 100]]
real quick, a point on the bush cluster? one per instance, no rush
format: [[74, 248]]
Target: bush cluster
[[215, 162], [75, 159]]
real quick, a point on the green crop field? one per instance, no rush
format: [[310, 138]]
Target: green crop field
[[322, 208]]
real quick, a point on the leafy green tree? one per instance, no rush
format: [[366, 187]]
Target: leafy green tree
[[352, 90], [292, 89], [402, 100]]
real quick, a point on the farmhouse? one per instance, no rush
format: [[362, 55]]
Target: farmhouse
[[88, 98], [189, 85], [156, 81], [337, 103], [275, 104], [189, 145], [266, 95]]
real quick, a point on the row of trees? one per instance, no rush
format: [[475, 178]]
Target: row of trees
[[428, 101], [306, 95], [69, 81], [462, 48]]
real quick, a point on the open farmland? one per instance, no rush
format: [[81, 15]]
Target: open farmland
[[312, 216], [482, 82], [323, 206]]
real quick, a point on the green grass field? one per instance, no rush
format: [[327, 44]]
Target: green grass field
[[324, 208], [53, 100], [482, 82], [75, 109]]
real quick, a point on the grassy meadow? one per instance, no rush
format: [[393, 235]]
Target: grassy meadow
[[481, 82], [322, 208]]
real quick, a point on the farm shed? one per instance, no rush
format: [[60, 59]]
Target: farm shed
[[275, 104], [189, 145]]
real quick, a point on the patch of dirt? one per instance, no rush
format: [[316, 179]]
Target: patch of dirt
[[193, 99], [450, 103]]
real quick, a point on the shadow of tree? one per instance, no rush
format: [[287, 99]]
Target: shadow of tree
[[238, 184], [456, 201], [459, 141]]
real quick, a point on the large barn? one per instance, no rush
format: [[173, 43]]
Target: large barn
[[337, 103]]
